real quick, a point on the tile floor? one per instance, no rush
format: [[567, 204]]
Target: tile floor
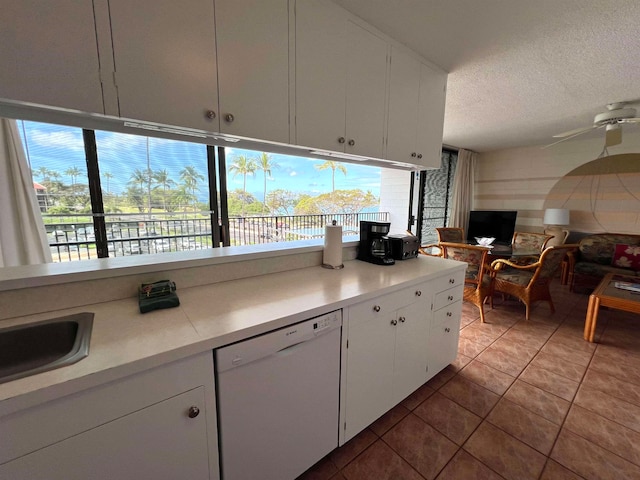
[[523, 400]]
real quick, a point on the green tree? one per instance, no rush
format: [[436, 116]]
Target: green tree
[[282, 201], [266, 164], [73, 172], [162, 179], [190, 178], [333, 166], [340, 201], [239, 202], [244, 166], [143, 178], [108, 176]]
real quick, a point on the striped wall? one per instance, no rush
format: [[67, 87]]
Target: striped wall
[[602, 195]]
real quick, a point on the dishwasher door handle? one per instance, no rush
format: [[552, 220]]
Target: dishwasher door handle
[[283, 352]]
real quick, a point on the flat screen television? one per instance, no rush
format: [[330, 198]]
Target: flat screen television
[[492, 223]]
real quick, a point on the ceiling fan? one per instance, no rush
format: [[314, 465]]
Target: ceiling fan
[[616, 115]]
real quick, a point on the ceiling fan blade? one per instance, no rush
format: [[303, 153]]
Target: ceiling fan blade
[[573, 133], [613, 135], [629, 120]]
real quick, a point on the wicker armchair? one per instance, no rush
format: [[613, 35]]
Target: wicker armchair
[[450, 234], [477, 281], [529, 283], [530, 241]]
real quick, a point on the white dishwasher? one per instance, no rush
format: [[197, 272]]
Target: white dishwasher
[[278, 400]]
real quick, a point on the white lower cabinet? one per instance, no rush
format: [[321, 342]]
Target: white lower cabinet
[[392, 345], [158, 424], [385, 359]]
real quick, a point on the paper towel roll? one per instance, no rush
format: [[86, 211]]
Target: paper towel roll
[[332, 254]]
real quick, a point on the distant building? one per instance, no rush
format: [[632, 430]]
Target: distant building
[[41, 195]]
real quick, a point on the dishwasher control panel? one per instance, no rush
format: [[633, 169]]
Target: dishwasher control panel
[[324, 322]]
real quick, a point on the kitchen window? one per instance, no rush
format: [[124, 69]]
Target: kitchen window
[[109, 194]]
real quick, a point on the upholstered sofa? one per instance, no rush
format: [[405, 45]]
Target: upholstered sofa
[[602, 253]]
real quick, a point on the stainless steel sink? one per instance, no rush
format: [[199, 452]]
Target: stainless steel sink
[[37, 347]]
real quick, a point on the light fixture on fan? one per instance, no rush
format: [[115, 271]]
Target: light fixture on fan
[[555, 218], [612, 119]]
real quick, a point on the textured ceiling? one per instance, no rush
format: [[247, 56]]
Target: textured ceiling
[[520, 71]]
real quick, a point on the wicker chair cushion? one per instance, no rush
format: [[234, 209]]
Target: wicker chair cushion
[[596, 270], [512, 275], [530, 241], [599, 248], [471, 257]]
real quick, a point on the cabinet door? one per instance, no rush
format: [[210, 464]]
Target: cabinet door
[[366, 88], [433, 86], [370, 353], [404, 91], [412, 344], [159, 442], [165, 61], [320, 80], [49, 54], [253, 68], [443, 337]]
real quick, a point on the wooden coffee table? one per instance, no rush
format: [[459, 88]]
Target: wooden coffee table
[[607, 295]]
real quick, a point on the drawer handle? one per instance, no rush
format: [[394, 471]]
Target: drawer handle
[[418, 293], [194, 411], [447, 329], [449, 314], [450, 297], [402, 319], [394, 322], [376, 308]]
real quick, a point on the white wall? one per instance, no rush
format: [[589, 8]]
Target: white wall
[[521, 178], [394, 197]]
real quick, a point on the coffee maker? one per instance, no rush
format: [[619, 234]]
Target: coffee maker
[[374, 245]]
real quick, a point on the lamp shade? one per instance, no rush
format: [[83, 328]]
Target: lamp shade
[[556, 216]]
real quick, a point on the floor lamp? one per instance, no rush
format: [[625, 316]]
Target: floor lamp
[[555, 218]]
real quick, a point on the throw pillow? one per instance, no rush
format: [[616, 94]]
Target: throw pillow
[[627, 256]]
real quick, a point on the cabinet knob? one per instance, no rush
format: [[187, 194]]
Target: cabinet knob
[[351, 142], [402, 319], [418, 293], [449, 314], [376, 308], [419, 155], [210, 114], [447, 329], [394, 322], [193, 411], [341, 139], [452, 280], [414, 154], [450, 297], [229, 118]]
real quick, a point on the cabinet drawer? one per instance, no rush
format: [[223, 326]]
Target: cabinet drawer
[[450, 312], [389, 303], [447, 297], [448, 281]]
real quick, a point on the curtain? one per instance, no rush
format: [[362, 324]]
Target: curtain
[[23, 239], [463, 181]]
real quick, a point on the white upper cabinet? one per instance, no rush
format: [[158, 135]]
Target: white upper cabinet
[[253, 68], [433, 85], [340, 81], [165, 61], [49, 54], [416, 111]]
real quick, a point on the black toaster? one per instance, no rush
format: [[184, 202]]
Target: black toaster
[[403, 246]]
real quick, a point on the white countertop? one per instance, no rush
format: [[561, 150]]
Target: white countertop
[[125, 342]]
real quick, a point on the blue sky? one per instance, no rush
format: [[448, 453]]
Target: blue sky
[[59, 147]]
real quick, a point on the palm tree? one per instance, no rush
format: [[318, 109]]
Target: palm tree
[[108, 176], [190, 177], [333, 166], [243, 166], [142, 178], [73, 172], [43, 172], [265, 164], [162, 179]]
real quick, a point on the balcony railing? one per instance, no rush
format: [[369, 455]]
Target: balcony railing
[[71, 237]]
